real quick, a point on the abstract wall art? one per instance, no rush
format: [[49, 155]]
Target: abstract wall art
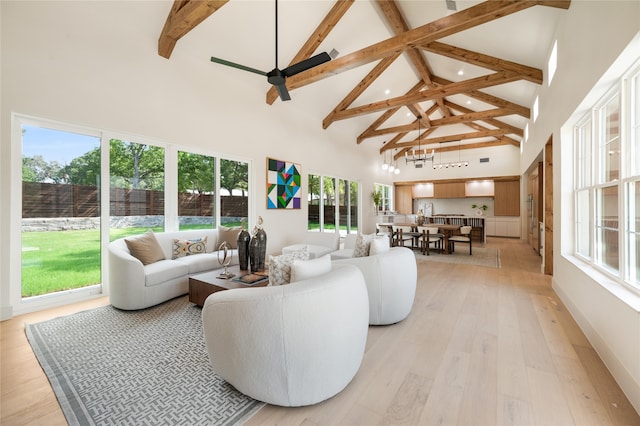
[[283, 184]]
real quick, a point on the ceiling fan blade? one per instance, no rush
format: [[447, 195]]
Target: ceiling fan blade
[[283, 92], [234, 65], [311, 62]]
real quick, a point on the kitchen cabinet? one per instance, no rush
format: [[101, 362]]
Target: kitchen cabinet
[[404, 199], [507, 198], [503, 226], [449, 189]]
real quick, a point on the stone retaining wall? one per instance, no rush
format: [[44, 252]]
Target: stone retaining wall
[[82, 223]]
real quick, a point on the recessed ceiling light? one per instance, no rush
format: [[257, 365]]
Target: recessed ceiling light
[[468, 102], [386, 92], [460, 72]]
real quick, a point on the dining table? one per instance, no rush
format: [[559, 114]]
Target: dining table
[[447, 230]]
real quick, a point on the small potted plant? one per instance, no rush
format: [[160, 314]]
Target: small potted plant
[[479, 208], [376, 196]]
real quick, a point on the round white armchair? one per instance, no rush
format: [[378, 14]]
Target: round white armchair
[[290, 345]]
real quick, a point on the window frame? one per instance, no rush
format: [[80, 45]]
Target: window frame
[[593, 174]]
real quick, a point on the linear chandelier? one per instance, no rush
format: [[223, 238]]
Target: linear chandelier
[[420, 158], [458, 163]]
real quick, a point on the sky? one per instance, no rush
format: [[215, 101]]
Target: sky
[[55, 145]]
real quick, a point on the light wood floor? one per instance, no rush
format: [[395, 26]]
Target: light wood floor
[[480, 347]]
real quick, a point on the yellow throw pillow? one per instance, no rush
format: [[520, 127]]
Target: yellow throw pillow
[[145, 248]]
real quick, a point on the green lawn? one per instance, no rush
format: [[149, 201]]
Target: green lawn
[[62, 260]]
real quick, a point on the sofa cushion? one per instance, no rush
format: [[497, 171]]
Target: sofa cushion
[[188, 247], [163, 271], [280, 266], [207, 261], [303, 269], [230, 235], [145, 248], [379, 245], [363, 243], [313, 250]]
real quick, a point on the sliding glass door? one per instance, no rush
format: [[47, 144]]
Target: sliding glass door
[[60, 210]]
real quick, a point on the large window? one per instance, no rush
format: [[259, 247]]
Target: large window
[[386, 193], [333, 204], [136, 174], [607, 182], [82, 188]]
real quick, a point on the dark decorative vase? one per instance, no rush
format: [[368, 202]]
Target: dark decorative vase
[[258, 250], [243, 248]]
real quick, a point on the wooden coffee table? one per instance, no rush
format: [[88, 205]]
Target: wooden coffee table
[[204, 284]]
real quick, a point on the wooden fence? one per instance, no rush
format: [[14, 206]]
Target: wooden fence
[[329, 214], [59, 200]]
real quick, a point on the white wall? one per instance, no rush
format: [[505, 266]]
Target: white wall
[[609, 316], [95, 64]]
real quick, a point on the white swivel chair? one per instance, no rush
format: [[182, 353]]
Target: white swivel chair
[[464, 237], [290, 345]]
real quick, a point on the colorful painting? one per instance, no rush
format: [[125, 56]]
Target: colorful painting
[[283, 184]]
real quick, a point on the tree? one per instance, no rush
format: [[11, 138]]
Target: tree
[[84, 170], [234, 175], [136, 166], [36, 169], [196, 173]]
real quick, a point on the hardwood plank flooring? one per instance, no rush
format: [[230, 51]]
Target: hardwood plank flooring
[[481, 346]]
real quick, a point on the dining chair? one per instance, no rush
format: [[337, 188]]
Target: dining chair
[[429, 235], [464, 237], [387, 231], [402, 234]]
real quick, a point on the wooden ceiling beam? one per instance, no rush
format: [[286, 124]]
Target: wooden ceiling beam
[[184, 16], [388, 114], [453, 138], [316, 38], [455, 119], [360, 88], [492, 121], [395, 19], [443, 27], [490, 80], [490, 99], [531, 74]]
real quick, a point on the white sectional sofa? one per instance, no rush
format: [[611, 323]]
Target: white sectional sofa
[[290, 345], [317, 243], [133, 285], [391, 279]]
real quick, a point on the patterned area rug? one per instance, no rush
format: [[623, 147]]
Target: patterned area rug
[[110, 367], [488, 257]]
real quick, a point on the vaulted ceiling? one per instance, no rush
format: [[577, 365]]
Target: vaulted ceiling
[[409, 73]]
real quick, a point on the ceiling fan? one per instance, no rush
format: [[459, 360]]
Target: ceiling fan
[[276, 76]]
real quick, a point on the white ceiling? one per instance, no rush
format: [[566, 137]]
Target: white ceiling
[[242, 31]]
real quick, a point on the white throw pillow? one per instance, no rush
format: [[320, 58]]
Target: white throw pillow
[[303, 269], [363, 242], [378, 245], [189, 247], [280, 266]]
